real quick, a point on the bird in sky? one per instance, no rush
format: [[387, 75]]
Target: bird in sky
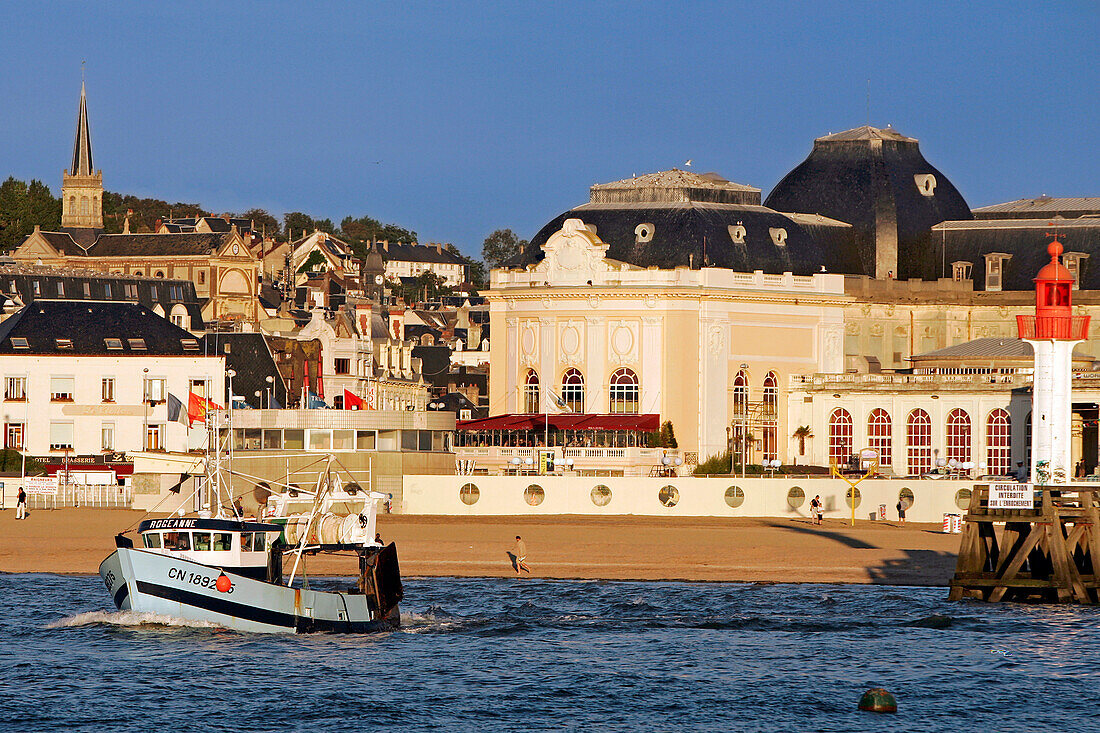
[[687, 164]]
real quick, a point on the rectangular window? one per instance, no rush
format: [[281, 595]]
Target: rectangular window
[[36, 287], [87, 291], [342, 366], [198, 386], [20, 343], [293, 439], [246, 541], [60, 289], [201, 541], [177, 541], [343, 440], [223, 542], [61, 436], [154, 437], [13, 436], [273, 439], [154, 391], [151, 540], [108, 436], [107, 291], [365, 439], [320, 440], [62, 389], [64, 343], [15, 389], [137, 344], [179, 320], [113, 344], [108, 389]]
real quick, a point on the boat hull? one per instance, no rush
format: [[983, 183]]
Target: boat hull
[[162, 584]]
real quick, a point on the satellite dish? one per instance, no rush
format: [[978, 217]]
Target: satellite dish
[[261, 492]]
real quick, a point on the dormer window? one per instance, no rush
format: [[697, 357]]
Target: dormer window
[[36, 287], [1074, 262], [190, 344], [644, 233], [19, 342], [60, 289], [960, 271], [113, 344], [64, 343], [994, 271], [137, 344]]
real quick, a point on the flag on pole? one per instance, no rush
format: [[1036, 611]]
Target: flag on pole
[[175, 409], [313, 402], [197, 407], [352, 401]]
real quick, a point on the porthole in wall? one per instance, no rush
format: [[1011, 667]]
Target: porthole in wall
[[601, 495], [848, 498], [796, 497], [534, 495], [905, 496], [669, 496], [735, 497], [469, 494], [962, 499], [644, 233]]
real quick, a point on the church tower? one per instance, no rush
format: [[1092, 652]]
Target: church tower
[[81, 185]]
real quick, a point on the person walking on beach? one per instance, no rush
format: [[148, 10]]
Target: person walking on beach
[[815, 509], [21, 505], [518, 556]]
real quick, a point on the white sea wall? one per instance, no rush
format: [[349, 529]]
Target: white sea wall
[[697, 497]]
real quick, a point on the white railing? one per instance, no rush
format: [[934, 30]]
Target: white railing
[[100, 496]]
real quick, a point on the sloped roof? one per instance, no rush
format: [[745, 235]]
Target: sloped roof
[[1025, 240], [986, 348], [692, 234], [676, 178], [87, 324], [419, 253], [250, 357], [866, 132], [145, 245], [1041, 207]]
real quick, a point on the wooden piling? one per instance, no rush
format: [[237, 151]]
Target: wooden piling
[[1046, 554]]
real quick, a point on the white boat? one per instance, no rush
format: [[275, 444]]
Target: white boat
[[222, 568]]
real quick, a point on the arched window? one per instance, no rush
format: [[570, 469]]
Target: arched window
[[531, 392], [918, 442], [623, 392], [958, 435], [840, 436], [572, 390], [771, 396], [83, 205], [72, 204], [998, 441], [880, 435], [741, 394]]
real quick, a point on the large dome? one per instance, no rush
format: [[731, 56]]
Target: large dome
[[679, 218], [879, 182]]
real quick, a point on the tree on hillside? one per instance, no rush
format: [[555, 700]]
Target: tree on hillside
[[146, 211], [295, 222], [366, 229], [23, 206], [476, 275], [262, 222], [501, 245]]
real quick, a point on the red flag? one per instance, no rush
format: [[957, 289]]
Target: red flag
[[352, 401], [196, 409]]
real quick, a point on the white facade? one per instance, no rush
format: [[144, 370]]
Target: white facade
[[683, 334], [85, 405], [1052, 446]]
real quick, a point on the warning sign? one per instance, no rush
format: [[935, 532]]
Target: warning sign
[[1011, 496]]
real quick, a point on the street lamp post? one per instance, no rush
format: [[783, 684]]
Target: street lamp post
[[270, 379], [145, 405]]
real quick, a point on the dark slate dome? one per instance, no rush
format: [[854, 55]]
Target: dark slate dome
[[879, 182], [678, 218]]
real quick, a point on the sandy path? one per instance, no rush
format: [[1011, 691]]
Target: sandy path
[[645, 548]]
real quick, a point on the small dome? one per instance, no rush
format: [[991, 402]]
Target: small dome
[[1054, 271]]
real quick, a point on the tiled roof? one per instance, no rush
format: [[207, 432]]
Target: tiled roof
[[983, 348], [676, 178], [866, 132], [419, 253], [1043, 206], [144, 245]]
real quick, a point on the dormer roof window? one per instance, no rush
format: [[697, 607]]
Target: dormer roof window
[[19, 342], [190, 344], [64, 343], [137, 344], [994, 270], [961, 271], [113, 344]]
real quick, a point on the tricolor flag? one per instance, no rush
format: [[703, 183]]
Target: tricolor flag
[[352, 401]]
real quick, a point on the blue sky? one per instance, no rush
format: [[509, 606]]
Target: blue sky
[[487, 115]]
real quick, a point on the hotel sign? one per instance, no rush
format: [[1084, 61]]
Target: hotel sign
[[1011, 496]]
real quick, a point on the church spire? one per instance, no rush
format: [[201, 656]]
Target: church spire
[[82, 150], [82, 185]]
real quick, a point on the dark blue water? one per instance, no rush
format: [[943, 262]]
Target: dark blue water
[[530, 655]]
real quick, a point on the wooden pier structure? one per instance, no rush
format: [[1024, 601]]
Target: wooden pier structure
[[1047, 553]]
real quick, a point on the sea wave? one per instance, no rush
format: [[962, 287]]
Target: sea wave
[[127, 618]]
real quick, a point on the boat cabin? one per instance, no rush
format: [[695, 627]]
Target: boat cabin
[[237, 546]]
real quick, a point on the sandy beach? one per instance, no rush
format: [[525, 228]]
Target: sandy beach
[[642, 548]]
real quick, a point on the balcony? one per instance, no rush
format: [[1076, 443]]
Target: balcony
[[1061, 328], [593, 461]]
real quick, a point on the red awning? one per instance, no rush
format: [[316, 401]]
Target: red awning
[[564, 421]]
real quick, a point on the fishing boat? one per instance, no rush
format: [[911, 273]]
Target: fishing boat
[[218, 566]]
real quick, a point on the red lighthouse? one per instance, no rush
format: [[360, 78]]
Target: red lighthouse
[[1052, 332]]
